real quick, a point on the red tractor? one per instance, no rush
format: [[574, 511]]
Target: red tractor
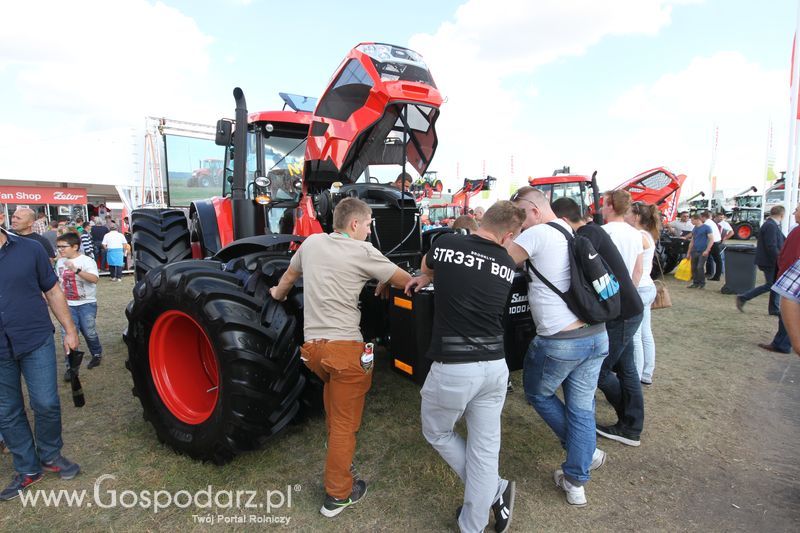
[[208, 175], [214, 360], [656, 186], [444, 214]]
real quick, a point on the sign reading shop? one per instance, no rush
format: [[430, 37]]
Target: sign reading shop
[[42, 195]]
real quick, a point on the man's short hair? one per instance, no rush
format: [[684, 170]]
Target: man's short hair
[[348, 209], [503, 217], [683, 213], [695, 216], [54, 223], [705, 214], [567, 208], [72, 239], [777, 211], [465, 222], [531, 194], [619, 201]]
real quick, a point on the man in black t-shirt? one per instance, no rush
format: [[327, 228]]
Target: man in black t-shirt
[[468, 376]]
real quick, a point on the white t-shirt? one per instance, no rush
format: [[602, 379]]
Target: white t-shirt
[[680, 227], [725, 227], [114, 239], [547, 248], [628, 241], [647, 261], [714, 229], [77, 290]]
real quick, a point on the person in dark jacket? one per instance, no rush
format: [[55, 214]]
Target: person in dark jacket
[[768, 248]]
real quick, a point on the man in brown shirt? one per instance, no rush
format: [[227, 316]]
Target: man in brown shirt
[[335, 267]]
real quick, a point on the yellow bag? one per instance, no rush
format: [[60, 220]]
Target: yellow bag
[[684, 270]]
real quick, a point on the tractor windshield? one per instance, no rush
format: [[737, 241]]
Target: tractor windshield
[[283, 164]]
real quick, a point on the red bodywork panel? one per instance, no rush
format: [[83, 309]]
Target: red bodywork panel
[[655, 186], [361, 108], [305, 219], [222, 208]]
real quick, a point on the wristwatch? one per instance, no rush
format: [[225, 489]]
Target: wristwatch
[[79, 271]]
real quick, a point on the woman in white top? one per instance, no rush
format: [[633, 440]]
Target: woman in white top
[[646, 219]]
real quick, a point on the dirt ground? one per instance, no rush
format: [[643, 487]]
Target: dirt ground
[[719, 452]]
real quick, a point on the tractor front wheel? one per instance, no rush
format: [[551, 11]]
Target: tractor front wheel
[[215, 369], [744, 231]]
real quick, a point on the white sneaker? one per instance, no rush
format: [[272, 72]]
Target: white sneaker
[[575, 495], [598, 459]]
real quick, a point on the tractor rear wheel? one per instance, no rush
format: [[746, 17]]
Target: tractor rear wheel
[[217, 370], [743, 231], [160, 236]]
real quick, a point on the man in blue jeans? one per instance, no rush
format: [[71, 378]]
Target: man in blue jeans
[[27, 350], [566, 352]]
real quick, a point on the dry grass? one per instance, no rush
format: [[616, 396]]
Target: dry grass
[[711, 441]]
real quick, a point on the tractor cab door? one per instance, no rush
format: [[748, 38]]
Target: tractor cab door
[[380, 108]]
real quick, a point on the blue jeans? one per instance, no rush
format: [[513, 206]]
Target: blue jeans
[[619, 379], [573, 364], [770, 273], [781, 340], [39, 369], [84, 316], [644, 346]]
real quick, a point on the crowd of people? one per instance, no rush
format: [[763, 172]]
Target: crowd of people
[[60, 259], [473, 273]]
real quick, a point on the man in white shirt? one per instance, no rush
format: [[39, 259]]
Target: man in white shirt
[[716, 251], [682, 227], [566, 352], [77, 276]]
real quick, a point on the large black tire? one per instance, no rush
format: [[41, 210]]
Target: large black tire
[[263, 270], [253, 343], [160, 236]]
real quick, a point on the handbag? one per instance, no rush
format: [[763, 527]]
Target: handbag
[[663, 299]]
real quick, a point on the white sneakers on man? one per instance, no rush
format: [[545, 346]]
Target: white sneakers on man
[[575, 494]]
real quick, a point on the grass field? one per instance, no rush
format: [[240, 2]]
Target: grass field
[[719, 450]]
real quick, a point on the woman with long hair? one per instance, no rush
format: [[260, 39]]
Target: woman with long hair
[[646, 219]]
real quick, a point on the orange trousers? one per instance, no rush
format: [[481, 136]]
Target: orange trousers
[[338, 365]]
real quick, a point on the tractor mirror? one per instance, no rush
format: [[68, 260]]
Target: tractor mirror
[[224, 133]]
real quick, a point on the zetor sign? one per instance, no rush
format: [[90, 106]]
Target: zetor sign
[[42, 195]]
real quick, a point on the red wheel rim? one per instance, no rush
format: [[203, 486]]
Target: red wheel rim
[[744, 232], [184, 367]]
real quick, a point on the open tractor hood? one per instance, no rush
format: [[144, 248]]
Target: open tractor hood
[[380, 108]]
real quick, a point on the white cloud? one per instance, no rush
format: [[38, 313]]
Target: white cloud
[[489, 41], [115, 59], [672, 119], [93, 66]]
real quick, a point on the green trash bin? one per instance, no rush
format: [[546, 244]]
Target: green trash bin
[[740, 269]]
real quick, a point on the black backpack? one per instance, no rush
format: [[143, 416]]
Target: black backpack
[[593, 294]]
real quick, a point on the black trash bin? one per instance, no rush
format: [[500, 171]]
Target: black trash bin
[[740, 269]]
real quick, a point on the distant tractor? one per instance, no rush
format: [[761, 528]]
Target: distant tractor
[[656, 186], [748, 214], [208, 175], [215, 361], [444, 214]]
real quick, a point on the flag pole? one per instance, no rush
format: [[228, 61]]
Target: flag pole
[[790, 186]]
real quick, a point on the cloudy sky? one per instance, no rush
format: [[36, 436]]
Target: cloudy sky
[[616, 86]]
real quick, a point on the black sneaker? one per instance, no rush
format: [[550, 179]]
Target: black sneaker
[[504, 508], [94, 362], [65, 468], [692, 286], [333, 506], [618, 434], [19, 483]]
